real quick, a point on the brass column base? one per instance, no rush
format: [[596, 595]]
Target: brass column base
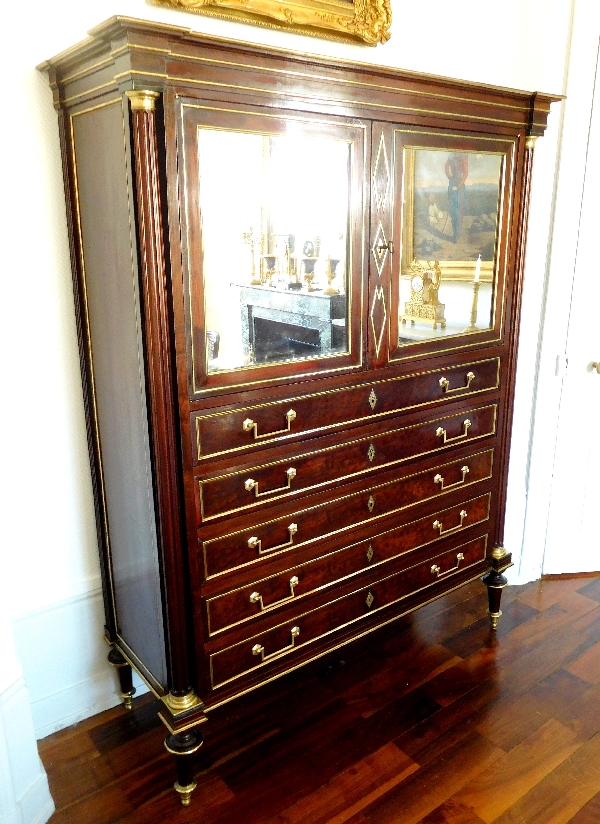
[[127, 698], [185, 793], [494, 616]]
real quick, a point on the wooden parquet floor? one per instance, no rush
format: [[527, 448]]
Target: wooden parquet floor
[[434, 720]]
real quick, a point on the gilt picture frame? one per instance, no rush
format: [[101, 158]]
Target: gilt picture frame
[[365, 21], [451, 210]]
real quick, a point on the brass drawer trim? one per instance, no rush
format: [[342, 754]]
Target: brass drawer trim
[[293, 528], [297, 567], [335, 629], [439, 432], [368, 416]]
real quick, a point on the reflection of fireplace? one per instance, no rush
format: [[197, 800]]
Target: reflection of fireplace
[[281, 324], [274, 340]]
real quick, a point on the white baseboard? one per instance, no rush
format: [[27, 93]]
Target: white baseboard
[[64, 658], [24, 794]]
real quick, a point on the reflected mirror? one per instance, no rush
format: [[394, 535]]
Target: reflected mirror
[[449, 241], [275, 224]]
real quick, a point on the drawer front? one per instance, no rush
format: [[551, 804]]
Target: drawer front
[[254, 426], [269, 539], [292, 585], [291, 639], [261, 485]]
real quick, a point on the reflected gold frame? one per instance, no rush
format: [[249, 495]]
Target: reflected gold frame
[[366, 21]]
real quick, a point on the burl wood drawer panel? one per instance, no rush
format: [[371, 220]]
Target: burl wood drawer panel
[[268, 539], [294, 636], [294, 584], [252, 426], [260, 485]]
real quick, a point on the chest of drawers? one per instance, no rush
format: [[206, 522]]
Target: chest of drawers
[[297, 289]]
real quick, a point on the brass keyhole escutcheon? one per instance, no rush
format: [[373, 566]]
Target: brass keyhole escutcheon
[[372, 399], [371, 503], [369, 600], [371, 452], [370, 554]]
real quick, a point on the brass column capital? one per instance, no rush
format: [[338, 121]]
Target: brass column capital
[[142, 99], [530, 142]]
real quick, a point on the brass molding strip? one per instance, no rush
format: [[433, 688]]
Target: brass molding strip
[[297, 597], [366, 470], [151, 682], [348, 623]]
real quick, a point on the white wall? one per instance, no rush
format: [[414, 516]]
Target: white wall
[[47, 528]]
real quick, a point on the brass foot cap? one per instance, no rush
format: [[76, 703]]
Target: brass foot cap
[[494, 616], [127, 696], [185, 793]]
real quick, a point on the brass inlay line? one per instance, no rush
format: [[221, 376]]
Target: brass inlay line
[[321, 587], [88, 92], [440, 432], [206, 544], [342, 626], [372, 402], [329, 650]]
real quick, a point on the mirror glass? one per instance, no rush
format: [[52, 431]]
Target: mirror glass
[[449, 243], [275, 222]]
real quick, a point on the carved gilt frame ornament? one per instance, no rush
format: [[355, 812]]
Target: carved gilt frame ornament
[[367, 21]]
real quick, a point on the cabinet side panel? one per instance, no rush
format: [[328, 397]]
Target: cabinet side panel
[[109, 266]]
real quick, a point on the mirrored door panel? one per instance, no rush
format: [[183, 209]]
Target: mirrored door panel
[[450, 273], [275, 246]]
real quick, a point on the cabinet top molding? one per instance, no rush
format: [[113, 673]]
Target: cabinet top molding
[[124, 53]]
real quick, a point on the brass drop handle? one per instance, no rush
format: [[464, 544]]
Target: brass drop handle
[[251, 426], [383, 247], [438, 479], [256, 597], [445, 384], [251, 484], [441, 432], [258, 649], [256, 543], [435, 569], [438, 524]]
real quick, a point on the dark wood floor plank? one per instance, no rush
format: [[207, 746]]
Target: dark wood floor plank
[[509, 778], [451, 812]]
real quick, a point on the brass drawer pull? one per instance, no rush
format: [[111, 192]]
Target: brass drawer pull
[[445, 384], [258, 649], [251, 484], [251, 426], [439, 480], [435, 569], [441, 433], [438, 524], [256, 597], [253, 542]]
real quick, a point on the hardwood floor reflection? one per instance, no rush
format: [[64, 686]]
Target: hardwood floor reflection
[[434, 720]]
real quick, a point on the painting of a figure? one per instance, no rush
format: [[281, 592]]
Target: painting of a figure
[[455, 204]]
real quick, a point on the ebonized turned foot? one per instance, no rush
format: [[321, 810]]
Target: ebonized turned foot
[[495, 581], [123, 668], [183, 746]]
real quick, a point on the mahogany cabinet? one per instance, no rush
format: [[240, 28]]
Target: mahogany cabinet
[[297, 290]]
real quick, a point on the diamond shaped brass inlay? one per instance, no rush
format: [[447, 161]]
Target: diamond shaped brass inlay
[[378, 299], [369, 600], [380, 249], [371, 502], [372, 399], [370, 554], [381, 177], [371, 452]]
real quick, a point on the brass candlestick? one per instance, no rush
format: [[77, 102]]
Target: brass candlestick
[[332, 265], [472, 326], [251, 239]]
